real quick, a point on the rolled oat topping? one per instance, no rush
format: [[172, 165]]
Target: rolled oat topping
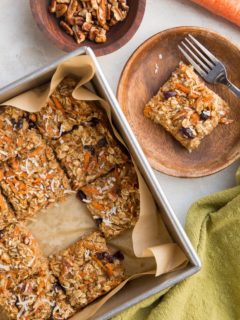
[[33, 180], [187, 108], [88, 153], [63, 112], [20, 256], [87, 270], [113, 200]]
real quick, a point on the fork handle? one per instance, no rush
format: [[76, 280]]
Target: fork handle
[[233, 88]]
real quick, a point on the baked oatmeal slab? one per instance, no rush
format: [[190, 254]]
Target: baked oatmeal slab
[[29, 299], [13, 127], [36, 298], [113, 200], [20, 256], [187, 108], [33, 179], [87, 270], [88, 152], [62, 112]]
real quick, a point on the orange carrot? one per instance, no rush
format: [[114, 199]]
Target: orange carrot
[[229, 9], [87, 157], [182, 88], [97, 205], [2, 203], [36, 151], [194, 118], [57, 104], [89, 190]]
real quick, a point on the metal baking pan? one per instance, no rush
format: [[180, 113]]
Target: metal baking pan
[[144, 287]]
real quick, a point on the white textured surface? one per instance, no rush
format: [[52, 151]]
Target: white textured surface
[[23, 48]]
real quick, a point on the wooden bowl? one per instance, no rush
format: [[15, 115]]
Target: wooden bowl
[[118, 35], [147, 69]]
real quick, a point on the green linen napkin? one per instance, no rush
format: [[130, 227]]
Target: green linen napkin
[[213, 226]]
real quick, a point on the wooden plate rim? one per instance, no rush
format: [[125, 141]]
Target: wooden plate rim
[[98, 51], [156, 165]]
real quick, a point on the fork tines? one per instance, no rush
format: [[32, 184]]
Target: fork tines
[[201, 59]]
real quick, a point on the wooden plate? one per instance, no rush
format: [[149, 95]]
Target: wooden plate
[[147, 69], [118, 35]]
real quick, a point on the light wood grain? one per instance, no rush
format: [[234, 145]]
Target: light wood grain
[[118, 35], [141, 78]]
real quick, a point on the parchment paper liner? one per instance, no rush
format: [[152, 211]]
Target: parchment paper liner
[[148, 248]]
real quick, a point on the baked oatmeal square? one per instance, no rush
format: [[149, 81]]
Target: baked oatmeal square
[[87, 270], [20, 256], [33, 179], [6, 213], [187, 108], [62, 112], [113, 200], [29, 299], [88, 152], [13, 126]]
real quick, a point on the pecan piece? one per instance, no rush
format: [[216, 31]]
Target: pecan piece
[[63, 1], [61, 9], [78, 34], [53, 6], [86, 26], [94, 31], [102, 13], [94, 4], [118, 14], [101, 37], [72, 8], [66, 27]]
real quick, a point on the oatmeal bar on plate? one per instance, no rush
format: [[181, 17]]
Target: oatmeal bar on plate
[[62, 112], [87, 270], [20, 256], [187, 108], [88, 152], [113, 200], [33, 180]]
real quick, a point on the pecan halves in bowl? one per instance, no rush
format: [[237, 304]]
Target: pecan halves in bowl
[[88, 19]]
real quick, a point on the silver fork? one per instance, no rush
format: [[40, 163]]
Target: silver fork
[[205, 63]]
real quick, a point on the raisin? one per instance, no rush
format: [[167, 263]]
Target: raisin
[[75, 127], [104, 255], [98, 221], [57, 287], [93, 122], [102, 143], [19, 124], [32, 125], [204, 115], [187, 132], [81, 195], [118, 255], [90, 148], [169, 94]]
